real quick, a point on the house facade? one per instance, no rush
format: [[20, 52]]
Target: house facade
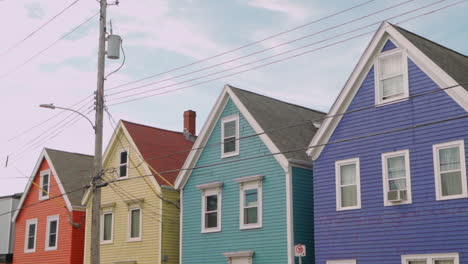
[[140, 207], [243, 186], [8, 204], [390, 173], [50, 222]]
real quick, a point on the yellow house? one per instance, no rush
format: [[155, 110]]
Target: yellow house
[[139, 207]]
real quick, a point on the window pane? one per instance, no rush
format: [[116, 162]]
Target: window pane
[[348, 174], [348, 196], [53, 227], [211, 220], [52, 240], [135, 225], [396, 167], [123, 157], [417, 262], [45, 185], [449, 159], [251, 198], [107, 227], [229, 144], [446, 261], [31, 242], [230, 129], [392, 86], [123, 171], [31, 236], [451, 183], [397, 184], [32, 230], [211, 203], [250, 215], [391, 65]]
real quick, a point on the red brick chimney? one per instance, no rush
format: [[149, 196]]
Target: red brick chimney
[[189, 121]]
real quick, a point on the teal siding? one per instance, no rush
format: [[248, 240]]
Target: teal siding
[[269, 242], [303, 211]]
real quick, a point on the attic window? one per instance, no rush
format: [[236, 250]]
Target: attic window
[[391, 76], [44, 184], [230, 136], [123, 167]]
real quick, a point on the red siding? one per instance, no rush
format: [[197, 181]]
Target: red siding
[[70, 240]]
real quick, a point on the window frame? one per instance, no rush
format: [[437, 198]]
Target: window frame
[[49, 220], [245, 184], [379, 100], [129, 237], [103, 213], [41, 182], [437, 173], [338, 165], [385, 157], [26, 237], [228, 119], [343, 261], [430, 258], [126, 164], [209, 192]]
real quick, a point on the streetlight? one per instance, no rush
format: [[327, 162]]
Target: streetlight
[[53, 107]]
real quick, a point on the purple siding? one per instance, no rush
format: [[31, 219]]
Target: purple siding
[[388, 46], [377, 233]]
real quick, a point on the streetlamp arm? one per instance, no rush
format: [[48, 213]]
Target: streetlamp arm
[[51, 106]]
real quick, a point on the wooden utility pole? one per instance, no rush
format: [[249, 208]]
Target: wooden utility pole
[[96, 209]]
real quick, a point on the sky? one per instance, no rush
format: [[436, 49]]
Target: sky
[[162, 35]]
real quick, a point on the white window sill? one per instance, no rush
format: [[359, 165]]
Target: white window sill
[[394, 100], [348, 208], [51, 249], [42, 198], [122, 178], [451, 197], [107, 242], [229, 154], [134, 240], [247, 227], [397, 203], [30, 251], [207, 231]]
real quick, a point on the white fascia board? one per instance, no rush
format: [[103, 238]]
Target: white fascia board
[[385, 32]]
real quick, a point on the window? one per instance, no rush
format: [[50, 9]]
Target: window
[[30, 237], [230, 136], [123, 167], [211, 207], [391, 76], [107, 225], [396, 177], [52, 232], [348, 189], [450, 258], [250, 202], [450, 170], [134, 225], [44, 183], [349, 261]]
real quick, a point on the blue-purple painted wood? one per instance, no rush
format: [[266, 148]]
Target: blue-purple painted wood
[[377, 233]]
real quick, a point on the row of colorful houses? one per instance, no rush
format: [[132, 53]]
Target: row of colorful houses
[[380, 179]]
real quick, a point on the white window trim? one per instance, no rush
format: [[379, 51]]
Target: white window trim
[[435, 149], [249, 185], [205, 193], [50, 219], [344, 261], [226, 120], [128, 159], [338, 164], [104, 212], [431, 257], [378, 91], [28, 223], [387, 155], [43, 173], [129, 238]]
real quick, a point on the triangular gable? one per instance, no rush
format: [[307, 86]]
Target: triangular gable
[[209, 126], [44, 156], [386, 34]]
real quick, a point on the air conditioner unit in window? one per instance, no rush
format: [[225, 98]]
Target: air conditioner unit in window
[[397, 195]]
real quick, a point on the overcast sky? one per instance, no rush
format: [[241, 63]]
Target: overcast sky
[[160, 35]]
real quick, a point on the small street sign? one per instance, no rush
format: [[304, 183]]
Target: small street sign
[[300, 250]]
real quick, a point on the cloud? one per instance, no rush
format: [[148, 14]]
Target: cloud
[[293, 11], [35, 10]]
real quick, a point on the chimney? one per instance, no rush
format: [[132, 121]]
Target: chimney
[[189, 121]]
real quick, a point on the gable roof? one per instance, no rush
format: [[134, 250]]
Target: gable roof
[[70, 170], [263, 114], [152, 143], [444, 66]]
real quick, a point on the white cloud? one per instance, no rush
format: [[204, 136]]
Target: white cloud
[[293, 11]]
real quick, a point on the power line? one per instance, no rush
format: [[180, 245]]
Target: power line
[[244, 46], [266, 64], [39, 28]]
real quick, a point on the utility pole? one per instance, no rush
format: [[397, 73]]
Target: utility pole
[[96, 209]]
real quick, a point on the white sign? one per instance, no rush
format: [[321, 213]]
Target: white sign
[[300, 250]]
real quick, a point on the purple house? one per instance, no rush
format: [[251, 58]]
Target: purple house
[[390, 177]]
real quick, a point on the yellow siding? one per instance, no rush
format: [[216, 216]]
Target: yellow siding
[[148, 249], [170, 226]]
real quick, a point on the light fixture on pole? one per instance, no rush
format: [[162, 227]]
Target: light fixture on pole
[[53, 107]]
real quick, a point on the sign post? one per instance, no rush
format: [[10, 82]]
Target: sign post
[[300, 251]]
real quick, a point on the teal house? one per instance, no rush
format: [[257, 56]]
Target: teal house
[[247, 181]]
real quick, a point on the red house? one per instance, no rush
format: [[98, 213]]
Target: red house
[[50, 222]]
